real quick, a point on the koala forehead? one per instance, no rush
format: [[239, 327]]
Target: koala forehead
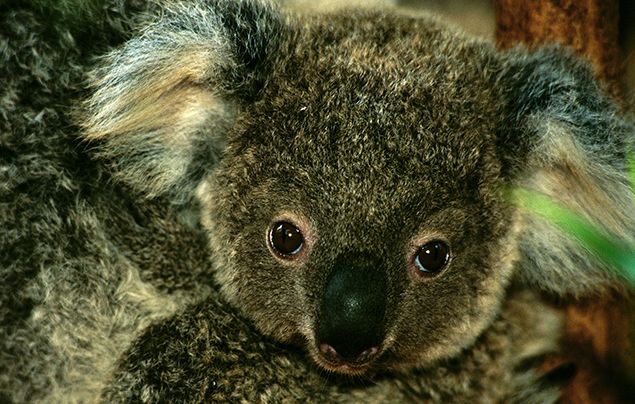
[[373, 114]]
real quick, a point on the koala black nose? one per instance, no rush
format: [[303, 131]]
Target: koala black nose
[[352, 311]]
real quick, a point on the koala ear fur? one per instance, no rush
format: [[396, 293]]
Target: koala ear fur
[[162, 103], [567, 142]]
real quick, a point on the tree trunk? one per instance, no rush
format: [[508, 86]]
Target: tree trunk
[[590, 27]]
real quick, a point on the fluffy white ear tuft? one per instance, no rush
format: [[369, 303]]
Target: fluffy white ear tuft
[[573, 147], [597, 192], [151, 111], [162, 104]]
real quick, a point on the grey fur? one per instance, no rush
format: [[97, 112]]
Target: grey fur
[[135, 264]]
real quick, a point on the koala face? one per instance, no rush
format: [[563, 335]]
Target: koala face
[[351, 169], [358, 209]]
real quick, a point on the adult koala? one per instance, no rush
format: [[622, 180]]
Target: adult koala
[[337, 179]]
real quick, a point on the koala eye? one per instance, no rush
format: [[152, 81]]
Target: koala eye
[[286, 239], [432, 257]]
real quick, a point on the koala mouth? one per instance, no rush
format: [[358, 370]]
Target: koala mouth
[[330, 359]]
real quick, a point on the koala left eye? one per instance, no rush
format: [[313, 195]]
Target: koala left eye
[[432, 257], [286, 239]]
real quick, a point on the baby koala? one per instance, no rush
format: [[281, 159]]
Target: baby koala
[[339, 179]]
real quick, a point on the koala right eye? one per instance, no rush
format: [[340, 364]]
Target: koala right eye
[[432, 257], [286, 239]]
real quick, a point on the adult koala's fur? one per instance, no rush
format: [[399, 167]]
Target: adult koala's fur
[[135, 206]]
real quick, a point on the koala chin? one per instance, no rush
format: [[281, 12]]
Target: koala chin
[[337, 180]]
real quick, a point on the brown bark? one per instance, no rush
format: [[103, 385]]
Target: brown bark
[[590, 27], [600, 333]]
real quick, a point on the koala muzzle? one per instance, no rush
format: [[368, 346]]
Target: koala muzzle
[[351, 324]]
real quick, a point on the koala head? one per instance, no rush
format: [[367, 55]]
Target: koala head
[[351, 169]]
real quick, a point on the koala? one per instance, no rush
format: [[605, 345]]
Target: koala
[[225, 200]]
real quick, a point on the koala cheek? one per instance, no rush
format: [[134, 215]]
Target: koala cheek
[[439, 318]]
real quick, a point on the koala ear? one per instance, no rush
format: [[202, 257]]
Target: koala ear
[[162, 103], [567, 142]]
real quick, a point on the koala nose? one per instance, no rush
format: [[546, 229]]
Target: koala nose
[[352, 312]]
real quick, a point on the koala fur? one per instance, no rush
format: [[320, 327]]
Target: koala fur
[[138, 190]]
